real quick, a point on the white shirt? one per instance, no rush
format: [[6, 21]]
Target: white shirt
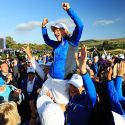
[[30, 85]]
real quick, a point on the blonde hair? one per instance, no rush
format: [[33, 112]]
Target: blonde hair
[[9, 114]]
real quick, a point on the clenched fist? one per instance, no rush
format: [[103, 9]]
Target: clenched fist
[[65, 6], [45, 21]]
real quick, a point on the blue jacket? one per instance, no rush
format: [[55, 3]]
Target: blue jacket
[[118, 87], [95, 68], [80, 107], [7, 94], [13, 82], [115, 96], [64, 60]]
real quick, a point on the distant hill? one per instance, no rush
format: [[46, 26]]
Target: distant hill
[[114, 46], [118, 39], [92, 42]]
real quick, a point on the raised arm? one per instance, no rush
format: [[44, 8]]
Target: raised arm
[[79, 25], [88, 83], [28, 52], [46, 38], [35, 64], [118, 81], [113, 96]]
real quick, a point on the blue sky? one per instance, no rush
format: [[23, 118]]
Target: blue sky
[[21, 19]]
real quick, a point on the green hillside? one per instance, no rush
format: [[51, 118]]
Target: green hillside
[[91, 43], [110, 45]]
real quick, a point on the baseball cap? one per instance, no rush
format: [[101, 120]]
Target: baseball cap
[[30, 70], [59, 25], [121, 56], [103, 56], [76, 80], [49, 112], [108, 57]]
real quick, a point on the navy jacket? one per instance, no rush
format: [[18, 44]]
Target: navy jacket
[[37, 84], [64, 58]]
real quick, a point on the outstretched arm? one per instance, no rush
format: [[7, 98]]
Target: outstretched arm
[[79, 25]]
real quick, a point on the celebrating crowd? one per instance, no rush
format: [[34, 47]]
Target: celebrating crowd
[[65, 88]]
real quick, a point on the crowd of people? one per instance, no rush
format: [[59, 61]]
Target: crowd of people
[[64, 88]]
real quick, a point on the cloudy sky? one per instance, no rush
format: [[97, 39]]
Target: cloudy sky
[[21, 19]]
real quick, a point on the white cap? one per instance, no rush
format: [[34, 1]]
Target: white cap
[[121, 56], [76, 80], [50, 113], [59, 25], [30, 69], [108, 57], [103, 56]]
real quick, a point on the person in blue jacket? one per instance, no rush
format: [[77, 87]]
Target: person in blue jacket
[[10, 93], [95, 65], [64, 55], [114, 90], [65, 45], [82, 95]]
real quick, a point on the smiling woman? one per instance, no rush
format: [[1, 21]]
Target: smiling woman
[[65, 43], [64, 50], [76, 85]]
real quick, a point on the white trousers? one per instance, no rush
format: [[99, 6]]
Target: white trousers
[[58, 88]]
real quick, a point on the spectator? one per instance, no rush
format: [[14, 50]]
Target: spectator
[[9, 114], [29, 87], [6, 75], [10, 93], [117, 102], [96, 52], [82, 95], [95, 65]]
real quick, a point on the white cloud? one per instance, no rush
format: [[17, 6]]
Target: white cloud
[[24, 27], [106, 22], [28, 26]]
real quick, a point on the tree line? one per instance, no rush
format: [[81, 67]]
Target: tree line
[[11, 43]]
